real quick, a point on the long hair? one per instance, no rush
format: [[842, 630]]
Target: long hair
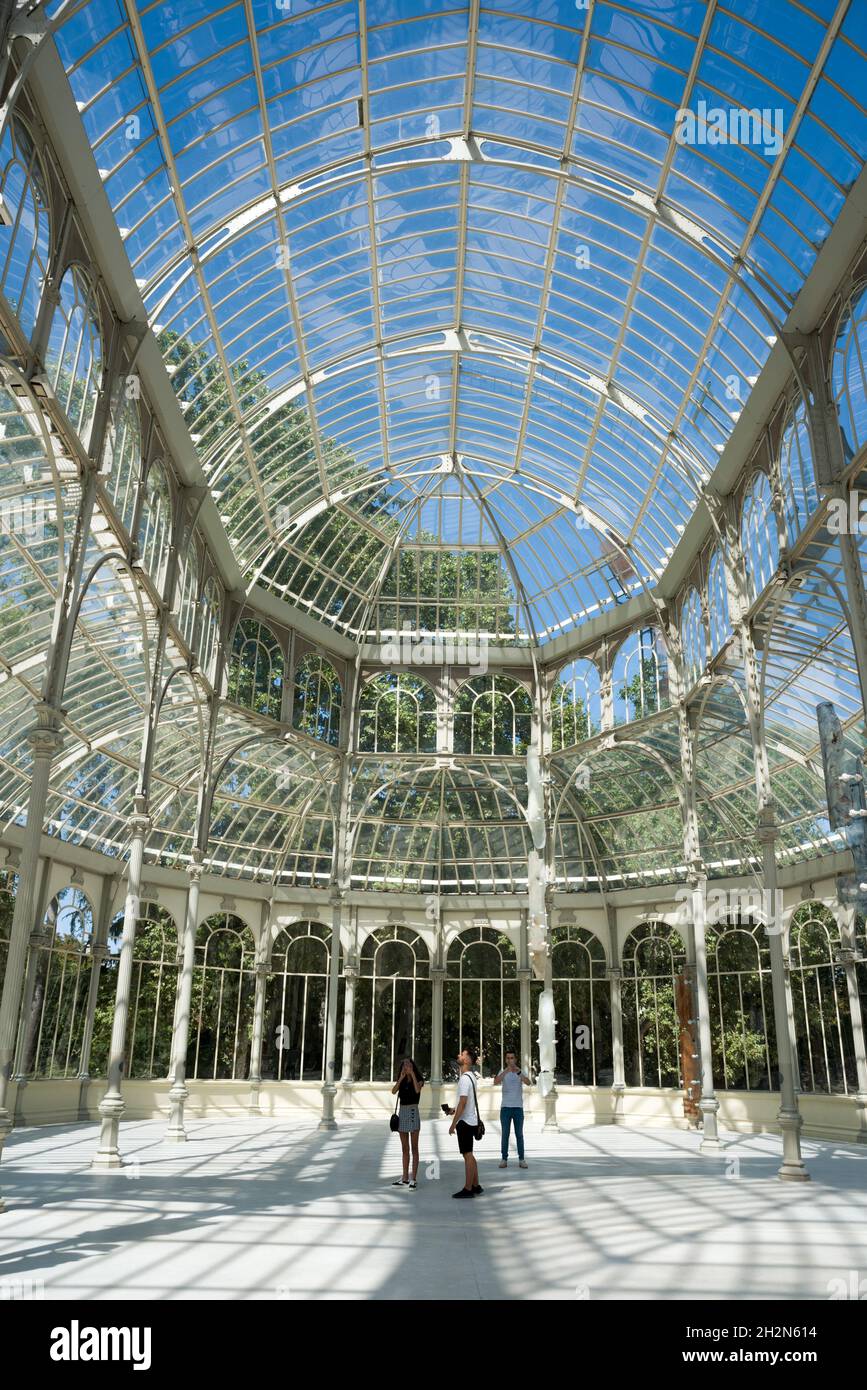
[[418, 1076]]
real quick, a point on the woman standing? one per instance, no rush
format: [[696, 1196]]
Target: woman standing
[[408, 1087]]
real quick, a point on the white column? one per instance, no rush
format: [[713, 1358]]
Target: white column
[[262, 972], [111, 1107], [179, 1093], [614, 975], [98, 953], [789, 1117], [45, 739], [350, 975], [525, 974], [709, 1105], [329, 1089]]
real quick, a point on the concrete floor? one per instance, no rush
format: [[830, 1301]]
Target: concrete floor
[[278, 1210]]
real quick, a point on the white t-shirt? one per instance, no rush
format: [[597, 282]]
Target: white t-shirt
[[513, 1089], [470, 1114]]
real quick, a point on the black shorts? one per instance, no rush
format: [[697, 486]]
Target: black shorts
[[466, 1134]]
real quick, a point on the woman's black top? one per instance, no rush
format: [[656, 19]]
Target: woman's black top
[[407, 1092]]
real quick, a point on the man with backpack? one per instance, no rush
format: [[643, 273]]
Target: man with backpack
[[466, 1122]]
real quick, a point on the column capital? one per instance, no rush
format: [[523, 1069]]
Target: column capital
[[138, 824], [524, 972], [46, 735], [98, 951], [195, 868], [766, 824], [139, 821], [696, 873], [614, 972]]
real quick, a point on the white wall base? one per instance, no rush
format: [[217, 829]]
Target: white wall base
[[747, 1112]]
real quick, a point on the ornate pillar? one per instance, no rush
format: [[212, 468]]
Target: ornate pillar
[[539, 949], [614, 975], [329, 1089], [45, 740], [525, 974], [111, 1107], [708, 1105], [40, 936], [438, 976], [789, 1117], [179, 1094], [31, 1003], [262, 972], [98, 953], [350, 975]]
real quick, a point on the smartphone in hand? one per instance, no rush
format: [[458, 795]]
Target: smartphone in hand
[[446, 1109]]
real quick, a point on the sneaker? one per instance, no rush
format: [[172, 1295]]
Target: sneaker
[[413, 1185], [522, 1164], [399, 1182], [478, 1189], [463, 1193], [504, 1163]]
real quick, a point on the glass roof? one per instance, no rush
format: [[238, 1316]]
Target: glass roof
[[452, 313]]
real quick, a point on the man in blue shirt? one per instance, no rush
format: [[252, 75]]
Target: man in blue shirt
[[512, 1080]]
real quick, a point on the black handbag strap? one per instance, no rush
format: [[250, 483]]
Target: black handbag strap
[[475, 1096]]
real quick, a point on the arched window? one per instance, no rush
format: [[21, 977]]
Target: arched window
[[718, 603], [122, 457], [154, 530], [849, 373], [152, 993], [186, 594], [392, 1005], [481, 999], [492, 715], [25, 233], [800, 496], [653, 957], [256, 671], [692, 639], [209, 628], [52, 1031], [397, 714], [582, 1008], [224, 987], [640, 676], [820, 1001], [741, 1007], [576, 704], [318, 699], [296, 1004], [73, 359], [759, 539]]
